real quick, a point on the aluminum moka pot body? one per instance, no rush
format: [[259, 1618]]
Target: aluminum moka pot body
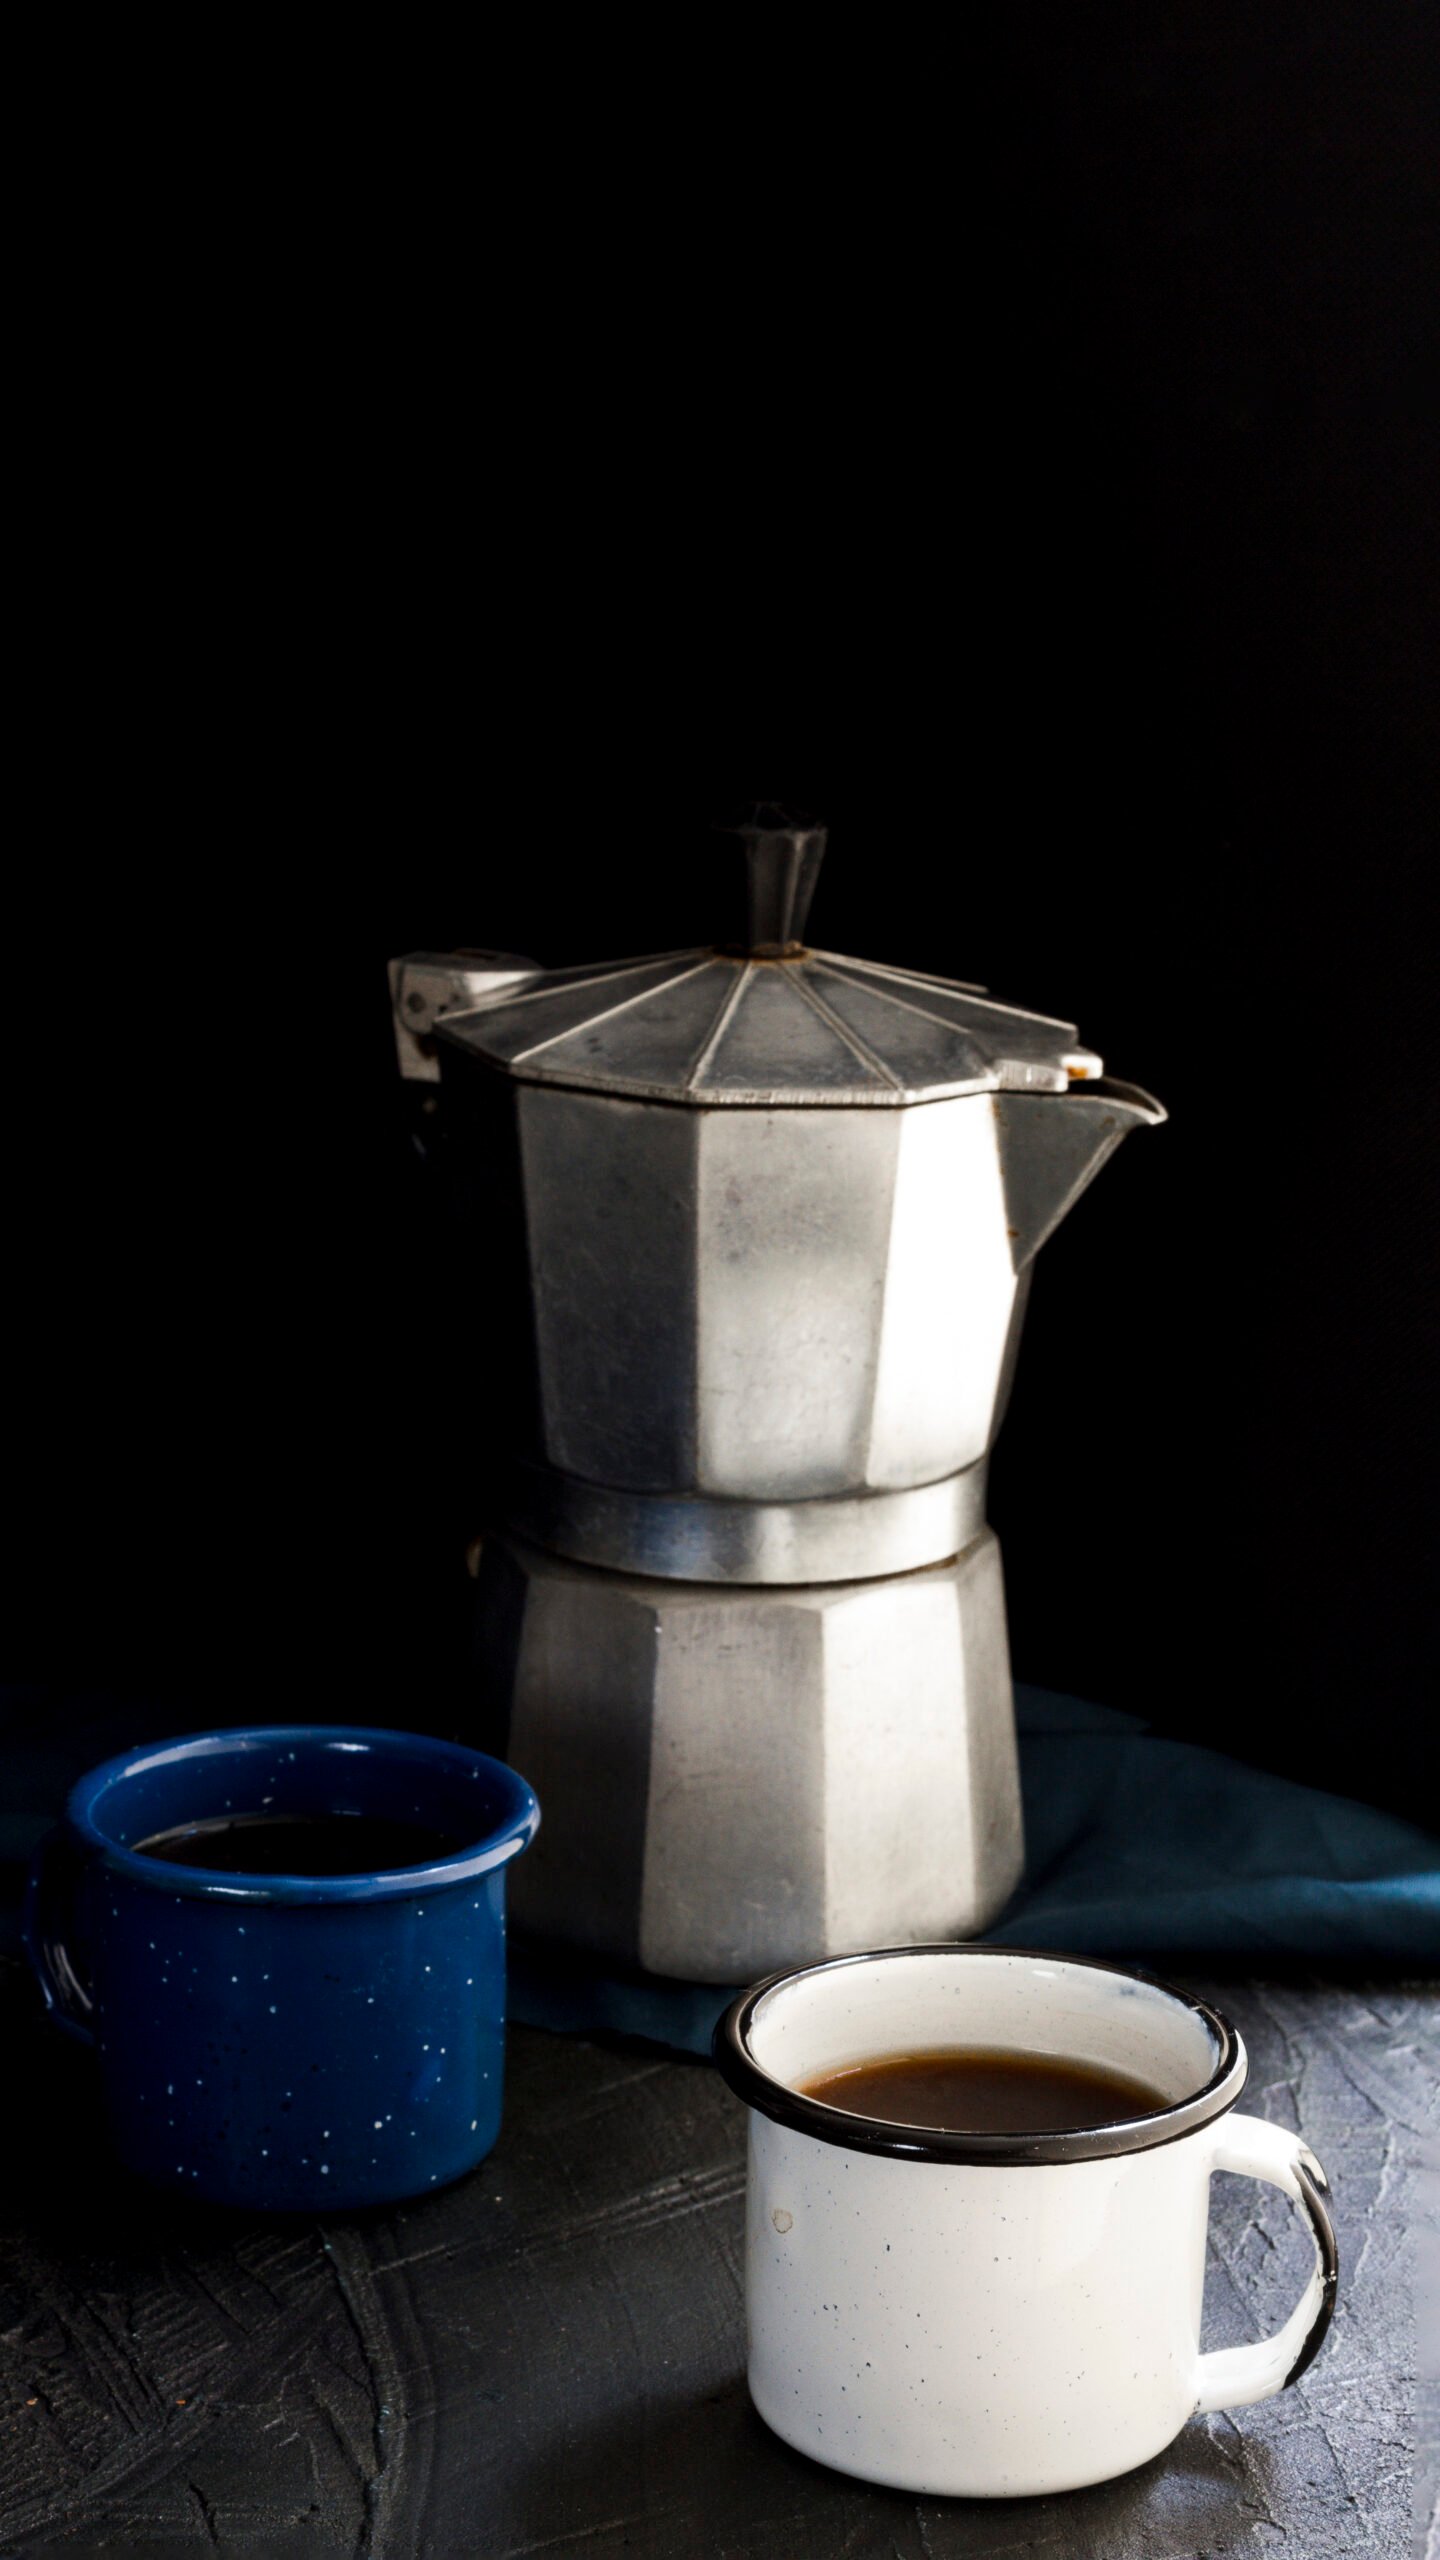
[[733, 1774], [761, 1343], [752, 1232]]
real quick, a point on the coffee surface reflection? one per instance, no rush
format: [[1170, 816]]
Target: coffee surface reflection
[[967, 2089]]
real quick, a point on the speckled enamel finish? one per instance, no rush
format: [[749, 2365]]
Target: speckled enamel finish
[[973, 2332], [1008, 2330], [288, 2043]]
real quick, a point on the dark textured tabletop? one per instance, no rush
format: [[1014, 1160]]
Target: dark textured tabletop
[[549, 2358]]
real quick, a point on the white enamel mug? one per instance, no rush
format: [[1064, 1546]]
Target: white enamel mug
[[997, 2315]]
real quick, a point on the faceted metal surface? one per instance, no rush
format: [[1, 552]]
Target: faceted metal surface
[[770, 1307], [841, 1539], [737, 1779], [715, 1027]]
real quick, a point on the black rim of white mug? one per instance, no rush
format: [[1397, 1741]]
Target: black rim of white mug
[[787, 2106]]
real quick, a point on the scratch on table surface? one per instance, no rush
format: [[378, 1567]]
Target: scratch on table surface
[[614, 2088], [1342, 2468], [1386, 2106], [192, 2275], [104, 2344], [1324, 2041], [669, 2199], [201, 2503], [1366, 2008], [1294, 2058], [1242, 2469], [1390, 2158], [383, 2385], [587, 2532], [279, 2265], [997, 2550]]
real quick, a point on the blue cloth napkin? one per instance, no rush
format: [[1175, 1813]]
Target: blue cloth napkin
[[1155, 1851]]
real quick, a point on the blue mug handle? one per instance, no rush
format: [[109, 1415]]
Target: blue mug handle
[[50, 1890]]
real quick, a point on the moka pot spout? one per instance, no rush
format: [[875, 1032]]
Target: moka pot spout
[[1052, 1145]]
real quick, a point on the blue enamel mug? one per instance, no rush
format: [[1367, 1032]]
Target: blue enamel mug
[[287, 2042]]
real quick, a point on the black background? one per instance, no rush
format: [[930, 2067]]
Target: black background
[[1073, 565]]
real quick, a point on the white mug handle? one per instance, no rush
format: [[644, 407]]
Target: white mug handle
[[1234, 2376]]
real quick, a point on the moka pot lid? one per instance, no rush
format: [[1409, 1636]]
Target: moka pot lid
[[772, 1023]]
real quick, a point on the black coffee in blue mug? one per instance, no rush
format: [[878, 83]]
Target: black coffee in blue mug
[[287, 1945]]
